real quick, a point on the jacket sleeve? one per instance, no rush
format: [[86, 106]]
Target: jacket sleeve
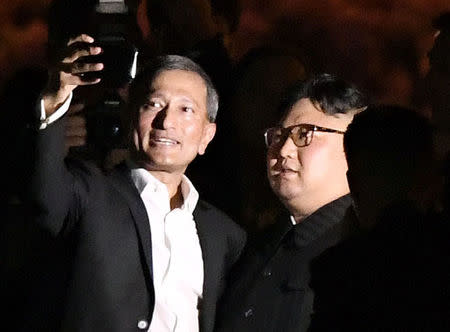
[[55, 193]]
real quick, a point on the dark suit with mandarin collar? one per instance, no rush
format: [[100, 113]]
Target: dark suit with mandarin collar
[[269, 287], [105, 277]]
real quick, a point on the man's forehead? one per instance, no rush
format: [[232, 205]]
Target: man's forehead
[[177, 86], [178, 82], [177, 76]]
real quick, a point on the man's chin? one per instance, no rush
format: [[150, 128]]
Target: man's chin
[[160, 162], [155, 165], [286, 194]]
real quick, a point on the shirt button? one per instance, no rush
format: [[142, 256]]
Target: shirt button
[[248, 313], [267, 273], [142, 324]]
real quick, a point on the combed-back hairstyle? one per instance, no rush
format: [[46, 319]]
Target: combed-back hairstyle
[[328, 93], [140, 87]]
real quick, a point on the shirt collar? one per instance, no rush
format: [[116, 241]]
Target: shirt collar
[[143, 178], [291, 217], [190, 194], [321, 221], [302, 234]]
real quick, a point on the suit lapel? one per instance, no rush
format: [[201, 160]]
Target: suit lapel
[[122, 181], [211, 259]]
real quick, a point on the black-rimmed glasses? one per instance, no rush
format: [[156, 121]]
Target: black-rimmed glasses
[[301, 134]]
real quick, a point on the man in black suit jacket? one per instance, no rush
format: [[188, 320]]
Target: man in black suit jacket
[[106, 222], [306, 168]]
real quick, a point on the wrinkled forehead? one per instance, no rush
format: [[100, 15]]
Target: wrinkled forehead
[[170, 83], [304, 111]]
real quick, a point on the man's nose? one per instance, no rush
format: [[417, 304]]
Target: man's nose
[[165, 118], [288, 149]]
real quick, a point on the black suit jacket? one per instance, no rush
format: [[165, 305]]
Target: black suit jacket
[[269, 288], [104, 271]]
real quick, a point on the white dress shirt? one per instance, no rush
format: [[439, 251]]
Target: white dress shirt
[[45, 121], [293, 220], [176, 254]]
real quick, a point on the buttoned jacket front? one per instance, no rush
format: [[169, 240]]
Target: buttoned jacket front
[[269, 288]]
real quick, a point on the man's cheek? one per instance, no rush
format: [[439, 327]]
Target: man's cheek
[[270, 163], [136, 139]]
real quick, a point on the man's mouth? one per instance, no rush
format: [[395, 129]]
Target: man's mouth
[[280, 171], [163, 141], [288, 170]]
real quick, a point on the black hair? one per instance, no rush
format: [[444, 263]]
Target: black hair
[[389, 140], [332, 95], [140, 86]]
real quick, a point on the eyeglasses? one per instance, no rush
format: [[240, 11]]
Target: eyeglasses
[[301, 134]]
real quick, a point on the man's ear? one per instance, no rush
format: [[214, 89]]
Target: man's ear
[[208, 134]]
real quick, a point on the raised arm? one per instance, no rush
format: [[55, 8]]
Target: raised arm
[[55, 189], [68, 74]]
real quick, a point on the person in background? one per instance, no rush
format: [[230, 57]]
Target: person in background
[[438, 79], [438, 84], [395, 274]]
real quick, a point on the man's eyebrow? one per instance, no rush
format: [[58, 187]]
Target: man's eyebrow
[[189, 100], [182, 98], [154, 93]]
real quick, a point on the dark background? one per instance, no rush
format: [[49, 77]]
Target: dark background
[[379, 44]]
